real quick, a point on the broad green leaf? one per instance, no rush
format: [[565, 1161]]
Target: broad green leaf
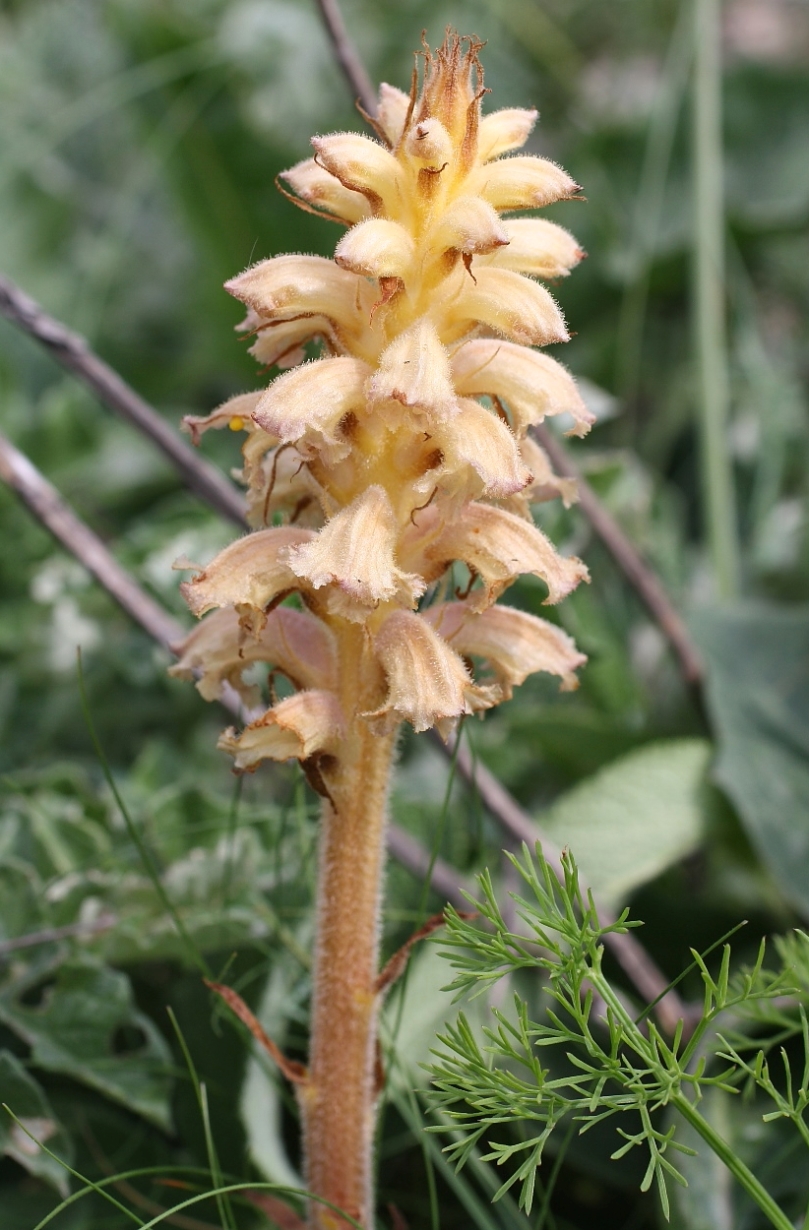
[[758, 695], [261, 1100], [633, 819], [83, 1023], [26, 1099]]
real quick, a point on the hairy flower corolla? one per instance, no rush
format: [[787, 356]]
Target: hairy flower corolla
[[403, 450]]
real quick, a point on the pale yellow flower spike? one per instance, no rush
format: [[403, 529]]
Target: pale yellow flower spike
[[371, 471]]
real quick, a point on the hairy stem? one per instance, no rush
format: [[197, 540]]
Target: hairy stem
[[339, 1099]]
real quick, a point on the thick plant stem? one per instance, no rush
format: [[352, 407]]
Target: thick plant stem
[[772, 1211], [339, 1099], [709, 293]]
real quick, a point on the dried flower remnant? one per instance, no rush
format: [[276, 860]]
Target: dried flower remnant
[[371, 472]]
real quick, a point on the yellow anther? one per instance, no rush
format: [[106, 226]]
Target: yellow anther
[[236, 423]]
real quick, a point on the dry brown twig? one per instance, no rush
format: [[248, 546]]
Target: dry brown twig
[[347, 56], [641, 577], [72, 352]]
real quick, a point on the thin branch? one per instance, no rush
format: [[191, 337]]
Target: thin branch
[[347, 56], [633, 958], [50, 509], [50, 935], [73, 353], [643, 580]]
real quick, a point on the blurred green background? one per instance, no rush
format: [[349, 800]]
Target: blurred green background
[[139, 142]]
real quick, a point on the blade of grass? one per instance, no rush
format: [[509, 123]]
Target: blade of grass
[[230, 839], [545, 1208], [481, 1216], [223, 1206], [719, 504], [649, 203], [96, 1187], [232, 1188], [123, 1176], [145, 854], [225, 1211]]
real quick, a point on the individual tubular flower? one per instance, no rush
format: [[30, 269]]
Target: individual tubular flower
[[393, 447]]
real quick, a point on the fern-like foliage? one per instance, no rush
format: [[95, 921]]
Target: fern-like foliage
[[609, 1063]]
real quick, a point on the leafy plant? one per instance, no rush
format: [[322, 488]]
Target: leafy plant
[[613, 1063]]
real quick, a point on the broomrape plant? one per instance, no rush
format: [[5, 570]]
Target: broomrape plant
[[371, 472]]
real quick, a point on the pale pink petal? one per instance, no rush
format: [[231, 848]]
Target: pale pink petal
[[217, 652], [545, 484], [414, 370], [356, 553], [499, 546], [505, 130], [470, 226], [248, 575], [235, 413], [315, 186], [531, 385], [363, 165], [513, 643], [287, 286], [510, 304], [522, 182], [427, 683], [281, 342], [377, 248], [475, 442], [309, 402], [540, 248], [296, 728], [394, 105]]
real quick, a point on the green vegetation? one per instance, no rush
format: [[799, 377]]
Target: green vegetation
[[138, 148]]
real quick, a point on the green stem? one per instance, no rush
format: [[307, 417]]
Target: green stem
[[723, 1151], [649, 207], [772, 1211], [709, 293]]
